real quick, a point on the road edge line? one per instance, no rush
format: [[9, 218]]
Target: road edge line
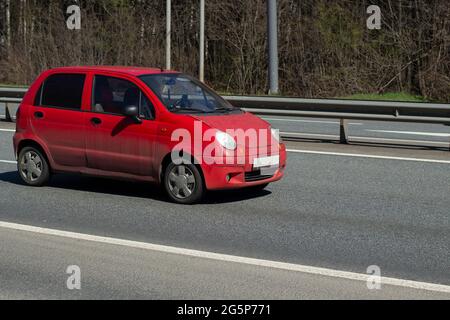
[[8, 161], [360, 155]]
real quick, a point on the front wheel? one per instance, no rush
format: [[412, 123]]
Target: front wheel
[[183, 183], [33, 167]]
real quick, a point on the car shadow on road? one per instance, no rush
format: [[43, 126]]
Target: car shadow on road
[[130, 189]]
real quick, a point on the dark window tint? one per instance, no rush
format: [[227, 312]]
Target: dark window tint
[[146, 108], [112, 95], [63, 91]]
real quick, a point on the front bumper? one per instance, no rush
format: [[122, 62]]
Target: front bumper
[[223, 176]]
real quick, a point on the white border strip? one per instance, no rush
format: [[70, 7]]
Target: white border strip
[[363, 139], [8, 130], [370, 156], [308, 121], [228, 258], [356, 155], [8, 161]]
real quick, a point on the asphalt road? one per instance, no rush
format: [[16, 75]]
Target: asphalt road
[[36, 269], [343, 213]]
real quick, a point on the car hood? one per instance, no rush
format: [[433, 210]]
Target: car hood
[[244, 121]]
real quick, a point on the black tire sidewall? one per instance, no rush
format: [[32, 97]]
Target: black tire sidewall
[[196, 196], [45, 167]]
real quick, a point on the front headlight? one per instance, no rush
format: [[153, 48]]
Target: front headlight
[[276, 134], [225, 140]]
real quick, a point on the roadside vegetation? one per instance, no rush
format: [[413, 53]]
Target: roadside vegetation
[[389, 96], [325, 48]]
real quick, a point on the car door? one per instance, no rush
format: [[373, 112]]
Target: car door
[[57, 118], [114, 142]]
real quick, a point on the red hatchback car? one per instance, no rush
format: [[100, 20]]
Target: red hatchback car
[[143, 124]]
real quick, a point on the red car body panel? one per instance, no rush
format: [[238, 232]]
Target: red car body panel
[[119, 148]]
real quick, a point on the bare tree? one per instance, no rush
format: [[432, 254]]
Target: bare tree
[[325, 49]]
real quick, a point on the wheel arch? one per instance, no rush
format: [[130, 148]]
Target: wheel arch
[[168, 159], [32, 143]]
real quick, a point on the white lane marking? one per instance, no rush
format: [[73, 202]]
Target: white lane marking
[[358, 155], [417, 133], [310, 121], [327, 153], [8, 161], [228, 258], [309, 134], [401, 140], [330, 136], [8, 130]]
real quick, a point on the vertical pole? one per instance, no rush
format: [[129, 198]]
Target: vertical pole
[[343, 132], [168, 32], [8, 117], [8, 24], [24, 15], [272, 41], [202, 41]]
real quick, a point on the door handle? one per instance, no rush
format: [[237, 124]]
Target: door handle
[[38, 115], [96, 121]]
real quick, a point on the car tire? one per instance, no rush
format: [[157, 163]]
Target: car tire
[[183, 183], [33, 167]]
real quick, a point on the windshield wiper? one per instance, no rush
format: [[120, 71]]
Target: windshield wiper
[[227, 109], [190, 109]]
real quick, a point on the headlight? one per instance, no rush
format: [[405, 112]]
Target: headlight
[[276, 134], [225, 140]]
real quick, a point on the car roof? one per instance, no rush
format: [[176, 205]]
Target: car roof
[[134, 71]]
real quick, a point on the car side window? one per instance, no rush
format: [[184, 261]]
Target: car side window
[[111, 95], [61, 91], [146, 108]]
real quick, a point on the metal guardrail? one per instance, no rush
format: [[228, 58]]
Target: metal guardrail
[[343, 110], [12, 92], [7, 102]]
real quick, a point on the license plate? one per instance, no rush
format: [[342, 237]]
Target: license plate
[[266, 162]]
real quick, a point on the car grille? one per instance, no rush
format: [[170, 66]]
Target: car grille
[[256, 176]]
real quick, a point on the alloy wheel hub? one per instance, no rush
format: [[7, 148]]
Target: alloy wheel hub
[[181, 181], [31, 166]]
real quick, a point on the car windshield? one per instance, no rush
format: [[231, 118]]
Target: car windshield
[[183, 94]]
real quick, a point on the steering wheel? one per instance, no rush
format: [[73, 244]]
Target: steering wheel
[[184, 102]]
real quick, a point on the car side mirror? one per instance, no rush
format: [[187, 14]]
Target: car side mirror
[[132, 112]]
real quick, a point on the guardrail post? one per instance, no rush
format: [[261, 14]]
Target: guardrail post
[[343, 137], [7, 114]]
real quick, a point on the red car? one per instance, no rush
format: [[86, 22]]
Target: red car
[[142, 124]]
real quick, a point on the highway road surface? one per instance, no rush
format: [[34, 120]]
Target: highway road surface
[[339, 210]]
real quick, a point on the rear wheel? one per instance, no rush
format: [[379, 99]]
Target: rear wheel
[[33, 167], [183, 183]]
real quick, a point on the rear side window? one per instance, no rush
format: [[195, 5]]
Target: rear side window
[[62, 91]]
